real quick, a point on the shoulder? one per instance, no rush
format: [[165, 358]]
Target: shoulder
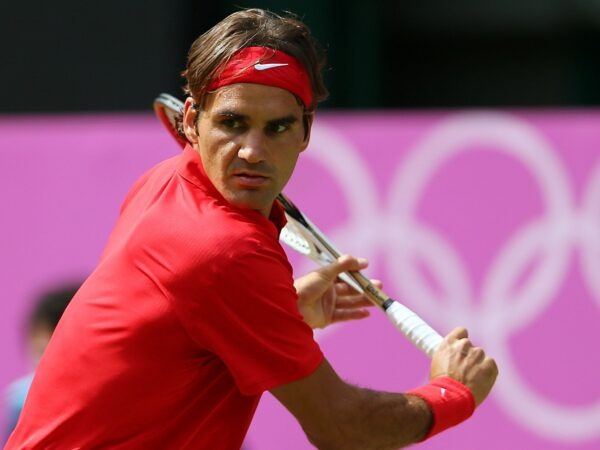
[[204, 234], [158, 172], [231, 238]]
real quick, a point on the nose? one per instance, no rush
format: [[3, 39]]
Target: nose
[[252, 147]]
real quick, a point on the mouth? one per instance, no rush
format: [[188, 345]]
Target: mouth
[[248, 179]]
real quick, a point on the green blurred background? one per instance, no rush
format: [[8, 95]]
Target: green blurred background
[[116, 55]]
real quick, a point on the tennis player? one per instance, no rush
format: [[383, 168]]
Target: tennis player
[[192, 312]]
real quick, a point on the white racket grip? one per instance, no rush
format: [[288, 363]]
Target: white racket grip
[[414, 328]]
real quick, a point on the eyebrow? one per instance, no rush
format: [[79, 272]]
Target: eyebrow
[[286, 120], [231, 114]]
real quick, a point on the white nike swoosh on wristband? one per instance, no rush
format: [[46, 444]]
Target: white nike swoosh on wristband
[[259, 66]]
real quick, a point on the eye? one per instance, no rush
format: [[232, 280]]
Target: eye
[[232, 123], [277, 128]]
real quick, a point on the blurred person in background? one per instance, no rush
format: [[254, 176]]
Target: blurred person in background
[[193, 312], [43, 318]]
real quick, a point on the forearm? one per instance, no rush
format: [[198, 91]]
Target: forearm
[[368, 419], [336, 415]]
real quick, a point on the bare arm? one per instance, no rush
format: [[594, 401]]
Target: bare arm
[[337, 415]]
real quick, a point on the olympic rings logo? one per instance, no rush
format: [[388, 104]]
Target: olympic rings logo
[[550, 238]]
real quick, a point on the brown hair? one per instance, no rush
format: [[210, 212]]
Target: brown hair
[[250, 28]]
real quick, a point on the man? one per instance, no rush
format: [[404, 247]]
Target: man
[[47, 310], [192, 311]]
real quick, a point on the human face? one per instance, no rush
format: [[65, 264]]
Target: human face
[[249, 137], [37, 340]]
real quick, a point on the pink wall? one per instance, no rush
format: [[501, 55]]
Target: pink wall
[[484, 219]]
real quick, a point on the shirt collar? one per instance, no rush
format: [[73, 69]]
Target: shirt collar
[[192, 169]]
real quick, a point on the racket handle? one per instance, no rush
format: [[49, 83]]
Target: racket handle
[[414, 328]]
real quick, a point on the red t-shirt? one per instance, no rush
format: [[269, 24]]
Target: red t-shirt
[[190, 315]]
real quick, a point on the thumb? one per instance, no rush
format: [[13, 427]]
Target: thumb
[[457, 334], [344, 263]]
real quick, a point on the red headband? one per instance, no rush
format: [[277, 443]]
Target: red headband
[[262, 65]]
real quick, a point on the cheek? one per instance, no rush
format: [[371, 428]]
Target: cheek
[[216, 151], [287, 163]]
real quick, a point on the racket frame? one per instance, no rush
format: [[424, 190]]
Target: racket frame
[[303, 236]]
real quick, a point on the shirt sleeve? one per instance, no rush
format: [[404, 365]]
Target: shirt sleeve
[[242, 306]]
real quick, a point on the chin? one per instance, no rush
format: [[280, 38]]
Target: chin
[[257, 202]]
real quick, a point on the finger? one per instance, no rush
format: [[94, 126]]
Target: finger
[[377, 283], [343, 315], [491, 366], [345, 263], [353, 301], [343, 288], [477, 354], [457, 334]]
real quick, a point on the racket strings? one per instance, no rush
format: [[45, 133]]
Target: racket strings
[[303, 236]]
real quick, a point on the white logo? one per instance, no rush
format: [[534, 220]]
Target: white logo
[[443, 392], [259, 66], [392, 225]]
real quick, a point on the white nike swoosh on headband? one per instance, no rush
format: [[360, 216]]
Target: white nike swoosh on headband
[[259, 66]]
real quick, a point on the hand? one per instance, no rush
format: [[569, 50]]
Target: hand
[[323, 299], [456, 357]]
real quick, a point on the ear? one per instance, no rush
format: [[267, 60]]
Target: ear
[[189, 120], [309, 121]]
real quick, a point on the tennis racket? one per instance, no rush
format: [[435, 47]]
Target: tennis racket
[[303, 236]]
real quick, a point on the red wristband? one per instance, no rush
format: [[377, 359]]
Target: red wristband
[[451, 403]]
